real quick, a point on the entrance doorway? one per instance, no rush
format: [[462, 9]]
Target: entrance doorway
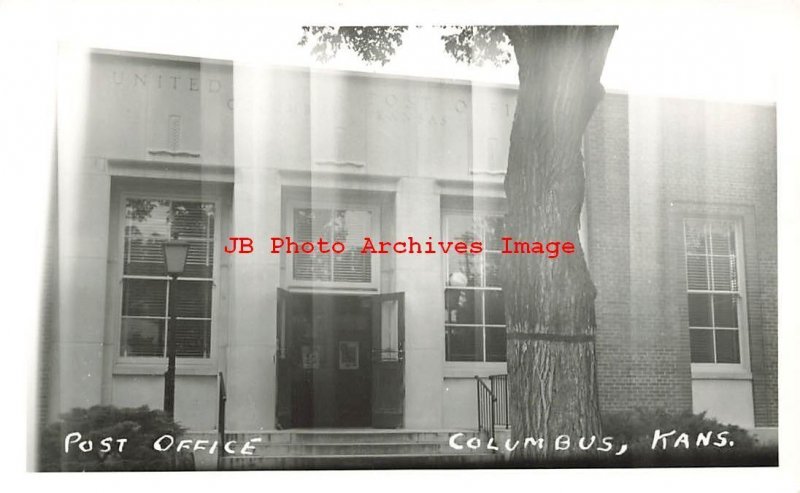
[[340, 360]]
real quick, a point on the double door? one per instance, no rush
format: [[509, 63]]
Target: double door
[[340, 360]]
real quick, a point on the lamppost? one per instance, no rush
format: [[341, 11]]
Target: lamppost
[[175, 253]]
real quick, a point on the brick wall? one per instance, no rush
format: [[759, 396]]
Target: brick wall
[[607, 184], [648, 162], [720, 159]]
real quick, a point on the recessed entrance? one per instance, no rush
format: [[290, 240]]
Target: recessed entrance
[[330, 352], [340, 360]]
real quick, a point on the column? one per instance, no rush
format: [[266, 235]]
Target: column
[[250, 372], [420, 277], [83, 212]]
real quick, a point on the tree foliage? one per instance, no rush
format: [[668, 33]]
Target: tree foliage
[[474, 45], [374, 44]]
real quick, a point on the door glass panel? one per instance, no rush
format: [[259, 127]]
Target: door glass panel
[[389, 336], [281, 325]]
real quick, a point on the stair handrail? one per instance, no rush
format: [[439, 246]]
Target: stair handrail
[[499, 387], [486, 405], [223, 398]]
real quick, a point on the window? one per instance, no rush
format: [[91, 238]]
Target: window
[[714, 291], [349, 226], [475, 324], [145, 287]]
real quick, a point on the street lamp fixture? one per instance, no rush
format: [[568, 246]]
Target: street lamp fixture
[[175, 253]]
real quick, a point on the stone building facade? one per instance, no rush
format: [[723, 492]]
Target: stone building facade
[[679, 225]]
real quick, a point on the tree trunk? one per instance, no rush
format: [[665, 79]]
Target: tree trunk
[[550, 302]]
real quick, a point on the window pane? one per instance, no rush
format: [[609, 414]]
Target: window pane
[[722, 238], [463, 306], [144, 297], [727, 346], [147, 217], [495, 343], [463, 227], [313, 267], [352, 266], [494, 277], [695, 237], [464, 344], [143, 256], [312, 224], [347, 226], [495, 309], [351, 226], [142, 337], [464, 270], [193, 338], [699, 310], [493, 230], [723, 273], [193, 299], [193, 220], [725, 308], [200, 259], [146, 228], [702, 345], [697, 271]]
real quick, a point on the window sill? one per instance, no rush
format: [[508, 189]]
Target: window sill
[[205, 368], [714, 372], [488, 172], [334, 288], [469, 369]]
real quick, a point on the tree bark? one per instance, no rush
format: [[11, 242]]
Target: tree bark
[[550, 302]]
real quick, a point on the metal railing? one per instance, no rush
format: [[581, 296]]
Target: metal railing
[[499, 386], [492, 404], [223, 398], [486, 405]]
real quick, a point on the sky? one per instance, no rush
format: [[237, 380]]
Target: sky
[[697, 61], [710, 49]]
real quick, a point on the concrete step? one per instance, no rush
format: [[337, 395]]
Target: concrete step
[[352, 448], [349, 436], [388, 461]]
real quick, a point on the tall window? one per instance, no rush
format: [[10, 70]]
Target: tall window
[[349, 226], [714, 291], [145, 287], [475, 323]]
